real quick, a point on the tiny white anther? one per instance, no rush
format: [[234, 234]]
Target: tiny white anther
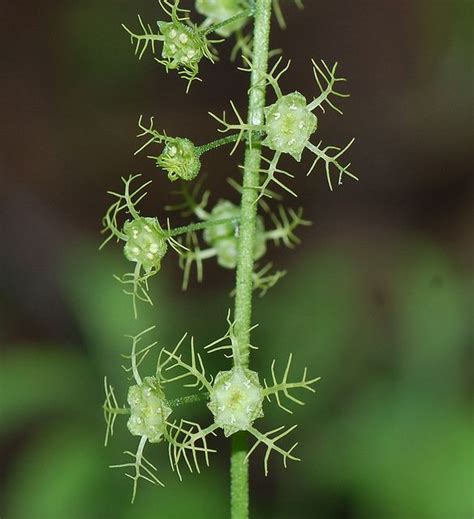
[[191, 53], [227, 386], [136, 250], [183, 38], [153, 248], [173, 33], [149, 256], [147, 228], [277, 116]]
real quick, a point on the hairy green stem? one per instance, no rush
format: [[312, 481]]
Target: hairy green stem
[[245, 264], [200, 226], [189, 399], [217, 143], [256, 135], [215, 27]]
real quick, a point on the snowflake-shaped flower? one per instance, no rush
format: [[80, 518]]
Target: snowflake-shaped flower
[[236, 396], [289, 124]]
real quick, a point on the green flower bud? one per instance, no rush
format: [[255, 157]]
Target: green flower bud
[[236, 400], [146, 243], [148, 410], [180, 159], [222, 210], [289, 124], [224, 237], [183, 46]]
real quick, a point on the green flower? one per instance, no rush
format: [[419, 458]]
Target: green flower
[[148, 410], [182, 45], [236, 400], [146, 243], [224, 237], [180, 159], [289, 125]]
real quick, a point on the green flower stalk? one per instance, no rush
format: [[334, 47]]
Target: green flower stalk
[[237, 236]]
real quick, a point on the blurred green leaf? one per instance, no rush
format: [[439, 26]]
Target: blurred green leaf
[[105, 312], [434, 321], [58, 476], [313, 312], [40, 380], [403, 454], [91, 35], [197, 496]]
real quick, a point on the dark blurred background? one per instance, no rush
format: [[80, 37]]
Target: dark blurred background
[[378, 299]]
